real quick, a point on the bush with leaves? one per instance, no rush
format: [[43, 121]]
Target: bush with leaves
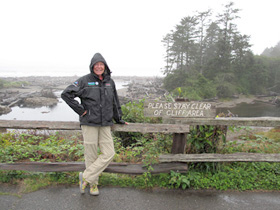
[[133, 112], [206, 138], [30, 146], [195, 87]]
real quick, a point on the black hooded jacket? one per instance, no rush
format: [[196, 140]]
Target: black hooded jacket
[[98, 97]]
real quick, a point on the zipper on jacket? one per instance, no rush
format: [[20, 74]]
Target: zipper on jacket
[[100, 89]]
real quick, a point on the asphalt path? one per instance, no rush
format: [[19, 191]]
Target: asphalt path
[[110, 198]]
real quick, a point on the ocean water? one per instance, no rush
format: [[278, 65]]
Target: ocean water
[[257, 109], [59, 112]]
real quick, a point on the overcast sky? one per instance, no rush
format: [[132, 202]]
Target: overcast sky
[[59, 37]]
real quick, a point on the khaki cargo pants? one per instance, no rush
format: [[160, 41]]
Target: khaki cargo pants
[[95, 164]]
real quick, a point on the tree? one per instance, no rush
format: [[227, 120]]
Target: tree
[[226, 36], [167, 40], [201, 50], [203, 19], [184, 47], [272, 52]]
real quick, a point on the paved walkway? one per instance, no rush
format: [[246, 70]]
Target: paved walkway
[[110, 198]]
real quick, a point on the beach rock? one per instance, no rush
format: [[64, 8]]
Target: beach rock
[[48, 93], [39, 102], [276, 101], [5, 109]]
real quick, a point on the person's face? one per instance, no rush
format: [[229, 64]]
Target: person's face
[[99, 68]]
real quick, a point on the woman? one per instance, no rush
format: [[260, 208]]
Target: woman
[[99, 106]]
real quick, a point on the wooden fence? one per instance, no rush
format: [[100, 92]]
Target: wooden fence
[[168, 162]]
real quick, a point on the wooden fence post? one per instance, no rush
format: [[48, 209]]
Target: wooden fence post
[[179, 143], [179, 139], [3, 130]]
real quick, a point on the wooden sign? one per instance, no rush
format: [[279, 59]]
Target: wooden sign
[[179, 109]]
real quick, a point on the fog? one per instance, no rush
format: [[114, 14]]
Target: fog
[[59, 38]]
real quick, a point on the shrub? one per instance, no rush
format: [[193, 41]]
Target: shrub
[[133, 112]]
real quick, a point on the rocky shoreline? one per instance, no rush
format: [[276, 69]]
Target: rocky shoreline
[[38, 92], [41, 91]]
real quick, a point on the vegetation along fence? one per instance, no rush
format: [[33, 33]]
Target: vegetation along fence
[[175, 161]]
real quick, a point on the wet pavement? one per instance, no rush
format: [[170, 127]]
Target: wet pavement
[[68, 197]]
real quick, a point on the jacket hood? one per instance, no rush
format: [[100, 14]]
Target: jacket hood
[[99, 58]]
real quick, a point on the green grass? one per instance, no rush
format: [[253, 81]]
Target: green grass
[[10, 84], [273, 134], [261, 142]]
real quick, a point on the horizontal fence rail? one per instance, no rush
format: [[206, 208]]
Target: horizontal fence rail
[[208, 157], [122, 168], [63, 125], [178, 125], [231, 121]]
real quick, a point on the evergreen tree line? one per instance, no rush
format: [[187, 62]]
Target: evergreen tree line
[[206, 58]]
